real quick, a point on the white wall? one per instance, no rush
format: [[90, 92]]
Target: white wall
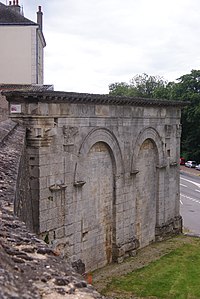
[[18, 54]]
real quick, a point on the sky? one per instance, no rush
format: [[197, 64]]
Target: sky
[[93, 43]]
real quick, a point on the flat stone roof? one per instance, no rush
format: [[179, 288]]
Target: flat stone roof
[[86, 98]]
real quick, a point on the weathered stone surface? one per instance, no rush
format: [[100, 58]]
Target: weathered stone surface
[[103, 171], [3, 108], [29, 269]]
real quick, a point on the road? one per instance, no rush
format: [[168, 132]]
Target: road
[[190, 202]]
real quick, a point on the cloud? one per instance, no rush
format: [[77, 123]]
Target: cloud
[[91, 44]]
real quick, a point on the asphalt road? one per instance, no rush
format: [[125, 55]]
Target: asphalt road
[[190, 201]]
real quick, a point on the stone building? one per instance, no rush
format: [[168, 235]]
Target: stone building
[[22, 44], [100, 174]]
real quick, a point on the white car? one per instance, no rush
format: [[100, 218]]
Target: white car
[[197, 167], [191, 164]]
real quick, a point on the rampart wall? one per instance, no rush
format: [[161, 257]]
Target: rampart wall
[[103, 172], [29, 267]]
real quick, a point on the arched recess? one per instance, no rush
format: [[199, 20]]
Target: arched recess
[[148, 163], [99, 166], [152, 134], [106, 136]]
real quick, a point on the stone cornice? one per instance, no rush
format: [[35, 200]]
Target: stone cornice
[[85, 98]]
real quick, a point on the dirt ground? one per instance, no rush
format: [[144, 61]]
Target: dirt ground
[[103, 277]]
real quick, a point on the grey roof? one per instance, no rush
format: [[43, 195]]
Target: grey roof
[[86, 98], [10, 17]]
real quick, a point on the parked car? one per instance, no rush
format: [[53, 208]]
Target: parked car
[[197, 167], [182, 161], [191, 164]]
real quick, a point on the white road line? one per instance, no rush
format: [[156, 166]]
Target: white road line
[[197, 190], [196, 184], [181, 202], [190, 198], [183, 185]]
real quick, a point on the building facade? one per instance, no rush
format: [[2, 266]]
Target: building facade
[[22, 46]]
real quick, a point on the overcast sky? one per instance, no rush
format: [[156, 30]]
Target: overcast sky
[[93, 43]]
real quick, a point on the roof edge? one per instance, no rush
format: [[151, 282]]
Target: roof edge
[[86, 98]]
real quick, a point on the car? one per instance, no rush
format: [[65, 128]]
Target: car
[[182, 161], [191, 164], [197, 167]]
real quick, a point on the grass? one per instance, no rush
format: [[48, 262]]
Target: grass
[[176, 275]]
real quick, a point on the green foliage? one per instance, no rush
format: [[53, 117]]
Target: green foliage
[[187, 88], [121, 89], [147, 86], [140, 86], [175, 275]]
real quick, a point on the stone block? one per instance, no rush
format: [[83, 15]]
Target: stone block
[[102, 110], [77, 247], [43, 183], [69, 230], [52, 224], [42, 226], [60, 232], [44, 215], [45, 193], [54, 109], [43, 205], [44, 171]]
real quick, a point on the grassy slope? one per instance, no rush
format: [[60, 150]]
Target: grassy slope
[[169, 269]]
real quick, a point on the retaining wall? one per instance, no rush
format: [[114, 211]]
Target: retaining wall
[[28, 267], [103, 171]]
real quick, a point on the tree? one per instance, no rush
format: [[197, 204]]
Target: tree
[[121, 89], [141, 86], [188, 89]]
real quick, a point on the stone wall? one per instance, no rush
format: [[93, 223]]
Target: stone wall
[[28, 267], [104, 172], [3, 108], [23, 208]]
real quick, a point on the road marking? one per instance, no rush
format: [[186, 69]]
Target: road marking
[[183, 185], [190, 198], [196, 184], [197, 190], [181, 202]]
